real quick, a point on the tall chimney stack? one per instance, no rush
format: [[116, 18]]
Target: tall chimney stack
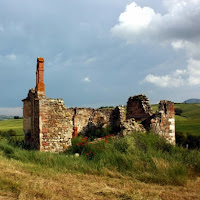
[[40, 87]]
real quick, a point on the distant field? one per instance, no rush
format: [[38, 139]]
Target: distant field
[[14, 124], [189, 121]]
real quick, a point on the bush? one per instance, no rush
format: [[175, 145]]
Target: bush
[[193, 141], [12, 138], [7, 149], [178, 111], [84, 146], [8, 134], [188, 140]]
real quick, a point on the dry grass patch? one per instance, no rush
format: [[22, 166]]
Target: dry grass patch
[[29, 182]]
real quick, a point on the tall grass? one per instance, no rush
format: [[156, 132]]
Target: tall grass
[[145, 157]]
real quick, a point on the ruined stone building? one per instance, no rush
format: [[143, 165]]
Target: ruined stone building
[[49, 125]]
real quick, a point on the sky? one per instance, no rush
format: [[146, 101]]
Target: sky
[[99, 53]]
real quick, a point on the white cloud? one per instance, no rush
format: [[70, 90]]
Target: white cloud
[[189, 76], [11, 57], [179, 23], [134, 21], [179, 27], [86, 79], [90, 60], [165, 81], [179, 44], [194, 71], [179, 72]]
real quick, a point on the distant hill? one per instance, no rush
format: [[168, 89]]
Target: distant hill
[[192, 101], [3, 117]]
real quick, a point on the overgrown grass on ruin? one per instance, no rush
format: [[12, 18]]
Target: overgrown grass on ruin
[[145, 157]]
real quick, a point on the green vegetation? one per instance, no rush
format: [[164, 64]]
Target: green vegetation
[[178, 111], [145, 157], [14, 124], [106, 107], [189, 120], [107, 168]]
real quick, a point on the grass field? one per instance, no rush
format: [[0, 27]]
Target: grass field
[[135, 167], [14, 124], [189, 121], [28, 181]]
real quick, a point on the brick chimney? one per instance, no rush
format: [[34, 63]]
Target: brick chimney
[[40, 87]]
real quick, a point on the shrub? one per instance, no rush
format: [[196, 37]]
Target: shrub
[[7, 149], [193, 141], [88, 148], [12, 138], [8, 134], [178, 111], [188, 140]]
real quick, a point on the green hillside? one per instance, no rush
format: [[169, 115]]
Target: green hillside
[[14, 124], [189, 121]]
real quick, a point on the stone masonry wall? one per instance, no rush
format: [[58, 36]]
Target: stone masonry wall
[[82, 116], [138, 107], [30, 120], [163, 121], [49, 125], [118, 118], [88, 117], [27, 118], [56, 125]]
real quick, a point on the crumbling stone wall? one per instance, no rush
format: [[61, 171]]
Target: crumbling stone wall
[[29, 119], [163, 121], [138, 107], [118, 118], [47, 122], [81, 119], [85, 118], [49, 125], [56, 125]]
